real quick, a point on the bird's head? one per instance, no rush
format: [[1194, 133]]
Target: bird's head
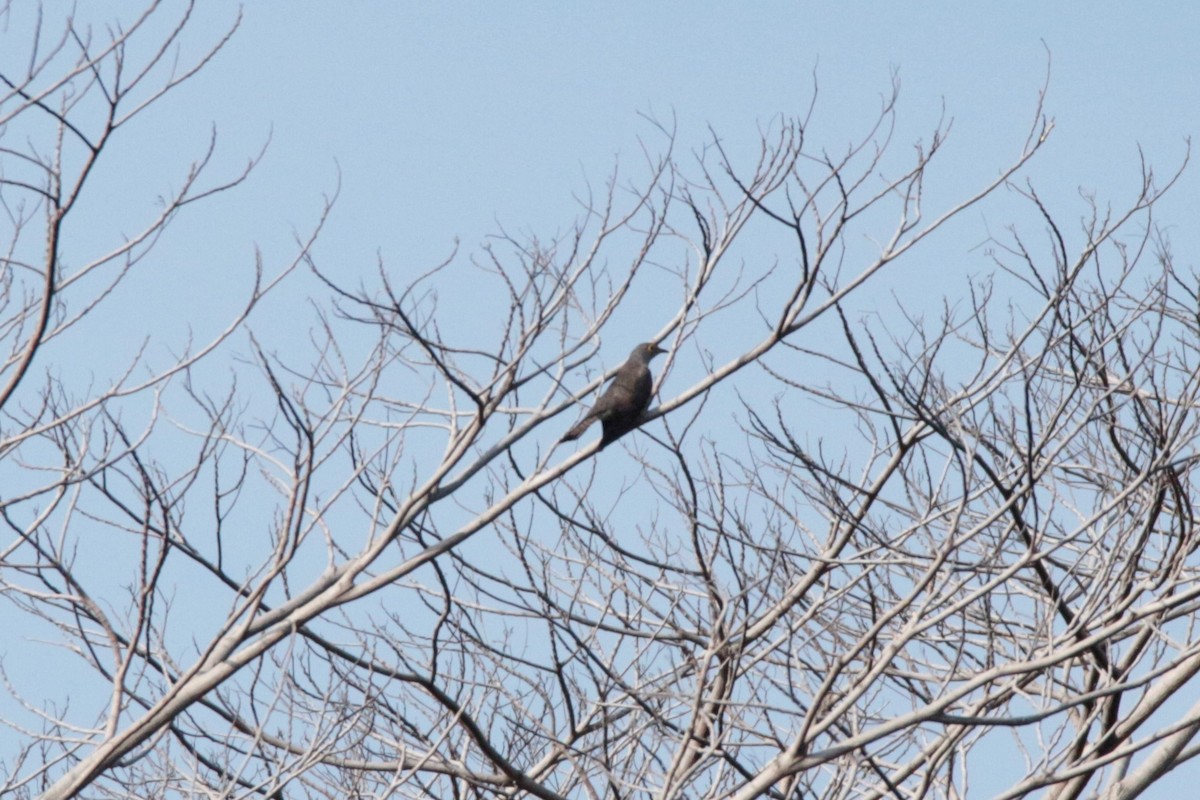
[[647, 351]]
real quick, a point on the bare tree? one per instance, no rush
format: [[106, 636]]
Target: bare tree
[[845, 556]]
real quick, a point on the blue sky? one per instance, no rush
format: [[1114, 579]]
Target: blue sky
[[447, 121]]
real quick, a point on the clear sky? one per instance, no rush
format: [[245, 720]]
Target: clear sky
[[446, 118], [446, 121]]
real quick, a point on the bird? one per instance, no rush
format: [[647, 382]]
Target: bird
[[621, 406]]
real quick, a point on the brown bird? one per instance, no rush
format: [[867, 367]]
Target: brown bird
[[621, 406]]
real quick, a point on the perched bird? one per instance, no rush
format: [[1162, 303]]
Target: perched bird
[[621, 406]]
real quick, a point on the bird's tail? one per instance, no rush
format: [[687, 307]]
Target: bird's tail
[[577, 429]]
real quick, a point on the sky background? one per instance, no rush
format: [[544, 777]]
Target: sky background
[[447, 121], [444, 122], [438, 124]]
